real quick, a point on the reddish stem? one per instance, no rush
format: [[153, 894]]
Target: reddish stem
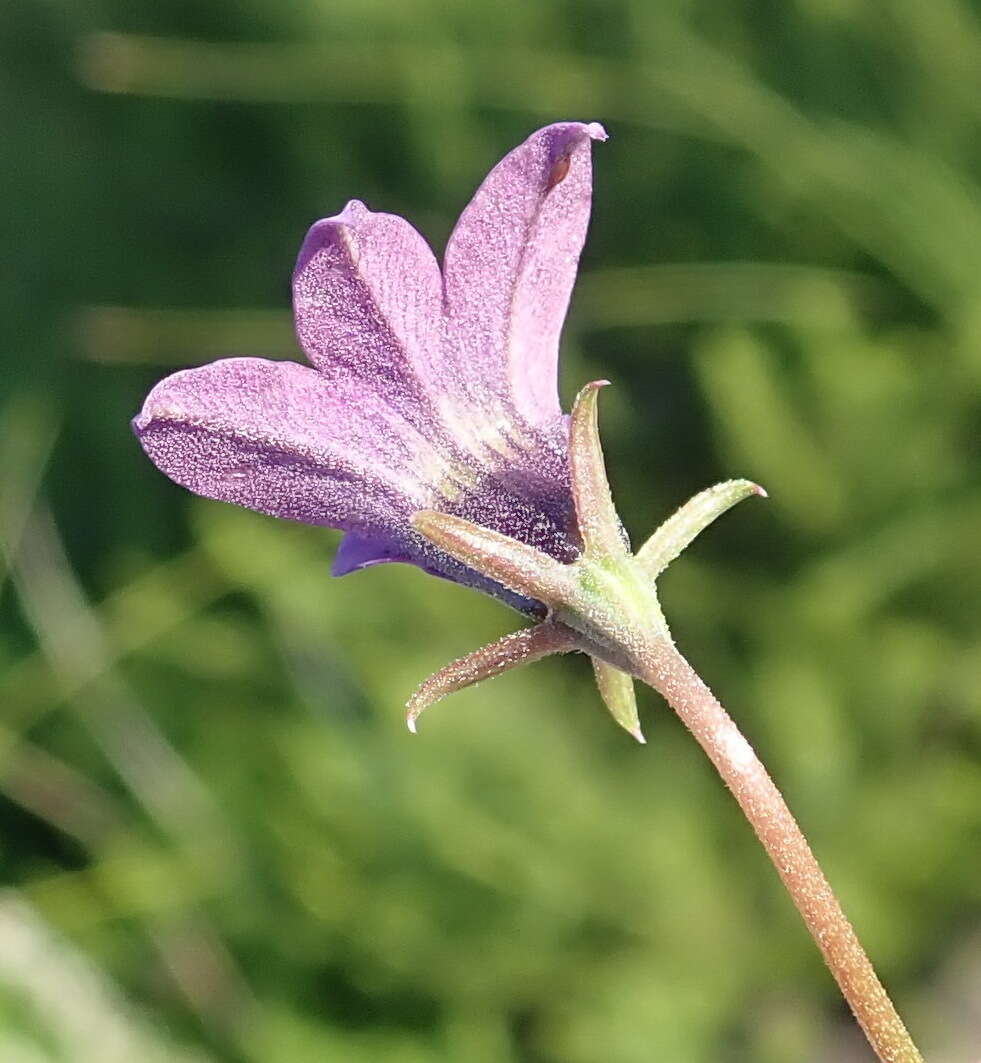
[[670, 674]]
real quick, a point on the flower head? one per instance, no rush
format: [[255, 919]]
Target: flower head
[[428, 389], [428, 425]]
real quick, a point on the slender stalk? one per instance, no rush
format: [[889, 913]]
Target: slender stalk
[[607, 602], [668, 672]]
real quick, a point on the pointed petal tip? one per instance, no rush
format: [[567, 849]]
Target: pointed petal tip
[[337, 229], [761, 491], [637, 733], [162, 404], [353, 209], [571, 131], [154, 410], [410, 722], [319, 235]]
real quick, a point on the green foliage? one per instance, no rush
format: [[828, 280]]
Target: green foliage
[[218, 840]]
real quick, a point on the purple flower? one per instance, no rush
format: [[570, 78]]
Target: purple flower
[[429, 389]]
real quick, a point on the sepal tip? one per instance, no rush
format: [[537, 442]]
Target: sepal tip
[[678, 531], [600, 527], [520, 647]]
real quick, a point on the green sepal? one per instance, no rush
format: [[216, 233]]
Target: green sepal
[[617, 690]]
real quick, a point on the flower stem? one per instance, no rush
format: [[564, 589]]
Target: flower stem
[[669, 673]]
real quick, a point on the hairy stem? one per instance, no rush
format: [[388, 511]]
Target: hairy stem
[[670, 674]]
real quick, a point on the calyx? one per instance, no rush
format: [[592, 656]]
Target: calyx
[[603, 604]]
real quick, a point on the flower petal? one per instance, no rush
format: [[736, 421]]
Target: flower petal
[[509, 269], [367, 298], [359, 550], [279, 438]]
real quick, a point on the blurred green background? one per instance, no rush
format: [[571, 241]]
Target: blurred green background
[[217, 840]]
